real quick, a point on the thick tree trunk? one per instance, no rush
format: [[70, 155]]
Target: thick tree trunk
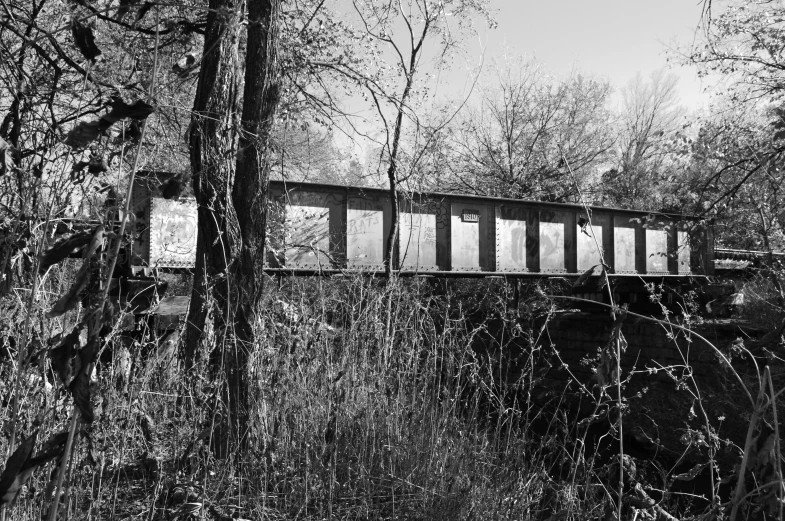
[[213, 147], [260, 101], [230, 184]]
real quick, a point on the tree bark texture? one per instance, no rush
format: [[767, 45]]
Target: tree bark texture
[[229, 158], [249, 196], [213, 148]]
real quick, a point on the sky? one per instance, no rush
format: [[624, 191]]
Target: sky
[[610, 39]]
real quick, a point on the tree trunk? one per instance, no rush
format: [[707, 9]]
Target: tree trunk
[[249, 196], [213, 147], [229, 159], [391, 263]]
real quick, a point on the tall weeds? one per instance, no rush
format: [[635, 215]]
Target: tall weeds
[[448, 414]]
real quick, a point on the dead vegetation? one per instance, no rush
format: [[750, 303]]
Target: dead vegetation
[[357, 416]]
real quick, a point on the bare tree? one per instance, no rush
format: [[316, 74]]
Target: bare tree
[[648, 121], [308, 153], [405, 31], [527, 128]]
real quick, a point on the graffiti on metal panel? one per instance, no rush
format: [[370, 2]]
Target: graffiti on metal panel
[[552, 241], [511, 238], [551, 246], [364, 216], [418, 239], [173, 228], [435, 207]]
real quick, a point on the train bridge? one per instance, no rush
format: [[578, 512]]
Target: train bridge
[[319, 228], [332, 230]]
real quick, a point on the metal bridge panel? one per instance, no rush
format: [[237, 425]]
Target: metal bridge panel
[[588, 238], [417, 240], [624, 246], [684, 252], [317, 227], [140, 208], [469, 223], [365, 231], [511, 238], [313, 224], [173, 229], [554, 242], [656, 251]]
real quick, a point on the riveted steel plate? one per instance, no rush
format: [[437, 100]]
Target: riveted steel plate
[[365, 232], [587, 239], [656, 251], [311, 221], [468, 234], [325, 226], [553, 242], [511, 238], [624, 247], [684, 252], [417, 240], [173, 230]]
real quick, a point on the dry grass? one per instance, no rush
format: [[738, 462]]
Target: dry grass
[[411, 400]]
